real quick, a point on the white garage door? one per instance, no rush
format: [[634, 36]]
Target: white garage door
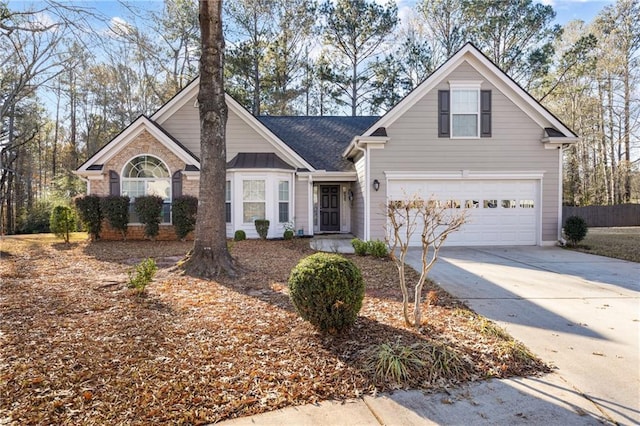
[[500, 212]]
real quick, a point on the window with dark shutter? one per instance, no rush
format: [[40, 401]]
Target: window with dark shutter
[[485, 113], [176, 184], [114, 183], [443, 113]]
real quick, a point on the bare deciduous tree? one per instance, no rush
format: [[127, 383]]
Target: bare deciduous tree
[[435, 221]]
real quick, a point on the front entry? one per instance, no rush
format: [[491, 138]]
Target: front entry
[[329, 208]]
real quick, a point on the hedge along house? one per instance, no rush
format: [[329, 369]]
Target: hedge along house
[[468, 136]]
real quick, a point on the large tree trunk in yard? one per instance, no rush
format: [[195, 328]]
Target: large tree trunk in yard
[[210, 257]]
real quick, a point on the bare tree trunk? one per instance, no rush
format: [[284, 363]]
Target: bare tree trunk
[[210, 257], [626, 196], [612, 150]]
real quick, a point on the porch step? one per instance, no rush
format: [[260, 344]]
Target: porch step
[[333, 243]]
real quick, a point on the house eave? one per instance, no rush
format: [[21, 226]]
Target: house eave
[[558, 142], [329, 176], [372, 141]]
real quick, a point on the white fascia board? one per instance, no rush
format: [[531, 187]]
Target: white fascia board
[[419, 92], [245, 170], [556, 142], [175, 103], [517, 94], [267, 134], [464, 174], [325, 176], [375, 142], [137, 127], [191, 90], [492, 73]]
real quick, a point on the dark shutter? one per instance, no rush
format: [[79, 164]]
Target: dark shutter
[[114, 183], [443, 113], [176, 184], [485, 113]]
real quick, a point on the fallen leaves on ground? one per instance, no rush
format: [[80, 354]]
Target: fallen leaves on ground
[[77, 346]]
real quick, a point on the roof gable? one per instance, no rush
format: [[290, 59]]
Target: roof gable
[[470, 54], [141, 124], [191, 91]]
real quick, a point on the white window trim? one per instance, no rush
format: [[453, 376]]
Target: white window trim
[[464, 85], [132, 199], [264, 180]]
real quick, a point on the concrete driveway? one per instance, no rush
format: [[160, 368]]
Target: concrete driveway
[[578, 312]]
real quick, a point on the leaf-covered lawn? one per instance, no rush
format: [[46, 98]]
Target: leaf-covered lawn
[[77, 346]]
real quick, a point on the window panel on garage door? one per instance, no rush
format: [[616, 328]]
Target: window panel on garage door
[[501, 212]]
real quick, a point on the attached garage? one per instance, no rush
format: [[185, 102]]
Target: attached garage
[[500, 211]]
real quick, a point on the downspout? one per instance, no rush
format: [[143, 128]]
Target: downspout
[[366, 190], [87, 181], [561, 149]]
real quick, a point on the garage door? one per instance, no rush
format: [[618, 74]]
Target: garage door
[[500, 212]]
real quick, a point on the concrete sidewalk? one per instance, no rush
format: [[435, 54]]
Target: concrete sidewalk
[[533, 401]]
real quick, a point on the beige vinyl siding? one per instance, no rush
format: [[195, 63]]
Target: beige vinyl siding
[[514, 146], [184, 125], [301, 213]]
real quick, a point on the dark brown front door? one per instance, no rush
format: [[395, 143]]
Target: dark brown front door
[[330, 208]]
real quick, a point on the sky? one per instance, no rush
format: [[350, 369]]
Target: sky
[[566, 10]]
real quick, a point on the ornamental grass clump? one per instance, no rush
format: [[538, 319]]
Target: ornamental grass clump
[[327, 290]]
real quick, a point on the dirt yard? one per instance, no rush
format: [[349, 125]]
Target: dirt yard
[[78, 347]]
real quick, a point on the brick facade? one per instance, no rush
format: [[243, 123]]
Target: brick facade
[[143, 144]]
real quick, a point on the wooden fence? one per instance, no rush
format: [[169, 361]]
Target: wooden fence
[[618, 215]]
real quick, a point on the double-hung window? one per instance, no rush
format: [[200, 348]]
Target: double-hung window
[[465, 106], [464, 111], [253, 200], [283, 201], [227, 202]]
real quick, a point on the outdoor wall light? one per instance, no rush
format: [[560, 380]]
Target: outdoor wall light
[[376, 184]]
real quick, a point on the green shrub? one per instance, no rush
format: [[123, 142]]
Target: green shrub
[[149, 209], [288, 234], [142, 274], [262, 227], [327, 290], [90, 214], [63, 222], [115, 209], [239, 235], [359, 246], [377, 248], [575, 229], [35, 219], [184, 213]]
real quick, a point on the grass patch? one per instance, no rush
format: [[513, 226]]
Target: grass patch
[[47, 238], [619, 243]]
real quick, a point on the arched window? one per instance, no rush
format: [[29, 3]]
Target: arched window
[[147, 175]]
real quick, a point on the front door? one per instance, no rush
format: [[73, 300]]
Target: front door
[[330, 208]]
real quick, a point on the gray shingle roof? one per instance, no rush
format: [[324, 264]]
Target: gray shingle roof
[[319, 140]]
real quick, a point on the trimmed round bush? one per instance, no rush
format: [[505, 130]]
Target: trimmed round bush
[[327, 290], [239, 235], [575, 229]]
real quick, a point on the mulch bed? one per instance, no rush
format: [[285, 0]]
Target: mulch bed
[[78, 346]]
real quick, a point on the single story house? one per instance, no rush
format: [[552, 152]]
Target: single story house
[[467, 135]]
